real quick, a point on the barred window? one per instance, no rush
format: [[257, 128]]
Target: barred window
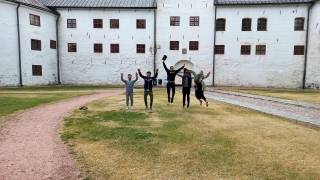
[[298, 50], [219, 49], [299, 24], [53, 44], [36, 70], [98, 48], [220, 24], [194, 21], [141, 23], [114, 48], [245, 49], [175, 21], [71, 23], [246, 24], [97, 23], [34, 20], [114, 24], [72, 47], [261, 50], [35, 44], [141, 48], [262, 24], [193, 45], [174, 45]]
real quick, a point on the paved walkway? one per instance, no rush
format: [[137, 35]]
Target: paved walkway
[[30, 144], [293, 110]]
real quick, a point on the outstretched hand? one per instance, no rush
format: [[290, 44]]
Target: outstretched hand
[[157, 70], [139, 70]]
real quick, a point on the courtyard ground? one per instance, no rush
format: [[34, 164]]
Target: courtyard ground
[[222, 141], [308, 95]]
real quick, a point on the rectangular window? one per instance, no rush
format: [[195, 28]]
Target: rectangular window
[[194, 21], [193, 45], [34, 20], [71, 23], [262, 24], [245, 49], [141, 24], [114, 24], [221, 24], [114, 48], [36, 70], [219, 49], [174, 45], [298, 50], [299, 24], [141, 48], [72, 47], [53, 44], [97, 48], [261, 50], [246, 24], [175, 21], [35, 44], [97, 23]]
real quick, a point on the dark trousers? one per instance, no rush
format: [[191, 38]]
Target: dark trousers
[[186, 95], [146, 94], [200, 95], [171, 86]]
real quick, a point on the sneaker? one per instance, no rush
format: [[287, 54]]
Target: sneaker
[[127, 107], [131, 107], [151, 108], [200, 103], [207, 103]]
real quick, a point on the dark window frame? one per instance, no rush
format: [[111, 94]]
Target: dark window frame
[[174, 20], [246, 24], [262, 24], [36, 45], [221, 24], [114, 48], [53, 44], [141, 48], [141, 23], [299, 24], [261, 49], [114, 23], [219, 49], [97, 23], [193, 45], [72, 47], [245, 50], [299, 50], [98, 48], [35, 20], [71, 23], [174, 45], [194, 21], [36, 70]]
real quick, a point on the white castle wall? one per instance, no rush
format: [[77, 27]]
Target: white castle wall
[[87, 67], [202, 59], [279, 67], [313, 64]]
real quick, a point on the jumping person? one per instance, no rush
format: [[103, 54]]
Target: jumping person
[[186, 86], [148, 85], [129, 84], [200, 86], [171, 76]]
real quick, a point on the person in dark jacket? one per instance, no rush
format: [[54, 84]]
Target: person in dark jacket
[[148, 85], [171, 76], [186, 86]]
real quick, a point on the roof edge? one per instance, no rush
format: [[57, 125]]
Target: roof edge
[[33, 6]]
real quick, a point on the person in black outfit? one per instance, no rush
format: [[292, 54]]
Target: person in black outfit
[[171, 76], [148, 85], [186, 86]]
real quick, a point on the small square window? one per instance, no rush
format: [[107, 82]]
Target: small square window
[[114, 24], [114, 48], [141, 24], [261, 50], [72, 47], [98, 48], [174, 45], [298, 50], [71, 23], [97, 23], [36, 70], [221, 24], [141, 48], [34, 20], [299, 24], [219, 49], [245, 50], [35, 45], [246, 24], [193, 45], [262, 24], [194, 21], [53, 44], [175, 21]]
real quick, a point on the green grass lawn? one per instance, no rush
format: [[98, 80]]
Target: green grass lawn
[[15, 98], [309, 96], [219, 142]]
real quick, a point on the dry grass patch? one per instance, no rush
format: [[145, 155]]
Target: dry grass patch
[[221, 141]]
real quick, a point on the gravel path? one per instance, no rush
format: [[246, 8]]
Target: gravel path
[[297, 112], [30, 144]]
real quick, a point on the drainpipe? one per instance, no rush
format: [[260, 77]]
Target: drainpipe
[[306, 49], [154, 39], [58, 50], [19, 46], [214, 45]]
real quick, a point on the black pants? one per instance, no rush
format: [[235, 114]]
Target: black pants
[[186, 94], [170, 86]]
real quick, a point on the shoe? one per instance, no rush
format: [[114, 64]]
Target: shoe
[[151, 108], [200, 103], [207, 103]]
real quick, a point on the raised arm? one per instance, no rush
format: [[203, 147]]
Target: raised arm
[[165, 66], [142, 76], [136, 78], [206, 75], [179, 75], [155, 75], [122, 78]]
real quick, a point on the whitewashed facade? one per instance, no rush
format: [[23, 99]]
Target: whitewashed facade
[[279, 67]]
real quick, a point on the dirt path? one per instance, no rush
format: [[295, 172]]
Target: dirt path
[[30, 144]]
